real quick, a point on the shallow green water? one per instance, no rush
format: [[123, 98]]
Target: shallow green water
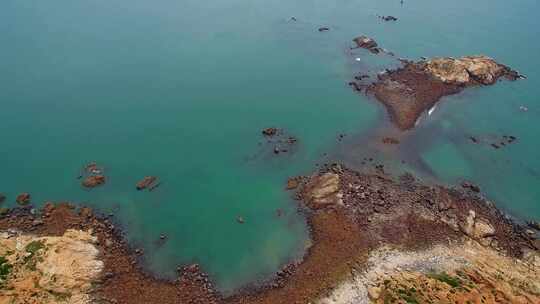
[[181, 90]]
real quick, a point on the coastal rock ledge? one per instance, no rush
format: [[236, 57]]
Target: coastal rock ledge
[[416, 87]]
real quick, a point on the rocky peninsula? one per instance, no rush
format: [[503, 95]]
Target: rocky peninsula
[[416, 87], [375, 239]]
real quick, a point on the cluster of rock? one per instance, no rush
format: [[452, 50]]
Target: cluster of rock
[[92, 175], [388, 18], [281, 142], [367, 43], [495, 143]]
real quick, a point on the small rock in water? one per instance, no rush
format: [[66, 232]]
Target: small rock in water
[[240, 220], [324, 29], [23, 199], [2, 198], [146, 182]]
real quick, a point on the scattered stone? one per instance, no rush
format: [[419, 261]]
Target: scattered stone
[[23, 199], [146, 182], [93, 181]]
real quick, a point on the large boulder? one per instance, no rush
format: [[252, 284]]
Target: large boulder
[[323, 191], [477, 228]]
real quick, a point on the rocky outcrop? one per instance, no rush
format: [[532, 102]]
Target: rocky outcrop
[[270, 132], [323, 191], [415, 88], [50, 269], [468, 70]]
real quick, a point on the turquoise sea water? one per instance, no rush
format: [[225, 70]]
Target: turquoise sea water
[[181, 90]]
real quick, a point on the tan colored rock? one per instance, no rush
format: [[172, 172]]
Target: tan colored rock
[[323, 191], [47, 270], [477, 228], [466, 70], [374, 293]]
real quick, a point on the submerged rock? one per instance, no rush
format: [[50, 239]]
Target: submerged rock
[[2, 198]]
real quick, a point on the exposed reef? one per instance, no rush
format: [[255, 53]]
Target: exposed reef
[[416, 87]]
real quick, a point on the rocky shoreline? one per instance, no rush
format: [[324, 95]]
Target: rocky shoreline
[[351, 216]]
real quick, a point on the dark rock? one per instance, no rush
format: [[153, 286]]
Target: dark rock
[[365, 42], [388, 18], [240, 219], [534, 225], [2, 198], [269, 132], [324, 29], [470, 186]]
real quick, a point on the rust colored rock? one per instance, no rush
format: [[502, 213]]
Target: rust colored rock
[[23, 198], [93, 181], [390, 141], [146, 182]]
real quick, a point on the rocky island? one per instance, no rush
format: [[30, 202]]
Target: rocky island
[[416, 87]]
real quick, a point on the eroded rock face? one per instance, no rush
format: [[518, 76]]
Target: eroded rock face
[[468, 70], [323, 191], [59, 269]]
